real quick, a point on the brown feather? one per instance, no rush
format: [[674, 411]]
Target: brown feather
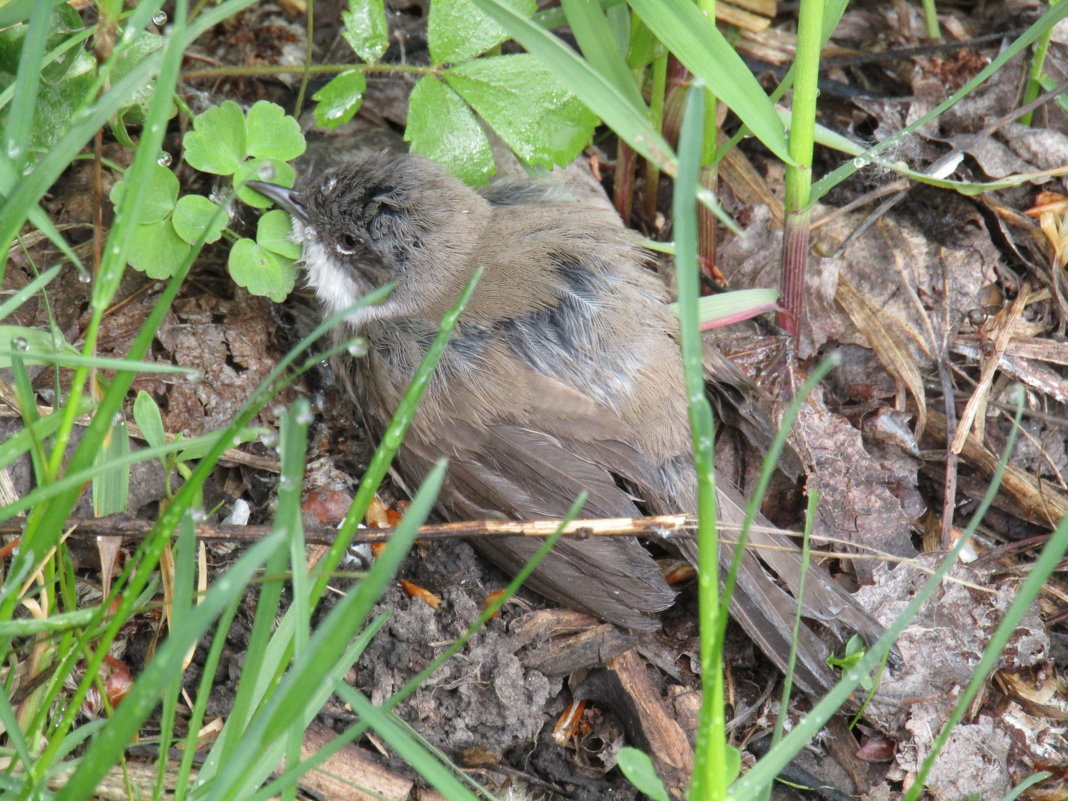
[[563, 375]]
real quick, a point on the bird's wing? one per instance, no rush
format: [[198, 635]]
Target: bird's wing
[[511, 471]]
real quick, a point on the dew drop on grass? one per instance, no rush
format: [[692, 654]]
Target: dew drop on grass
[[285, 482], [198, 515], [163, 159], [20, 344], [270, 439], [860, 162], [266, 172], [159, 19], [84, 277], [118, 419], [357, 348]]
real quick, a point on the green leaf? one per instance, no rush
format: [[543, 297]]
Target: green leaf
[[195, 213], [272, 232], [142, 46], [218, 141], [15, 11], [272, 133], [277, 172], [111, 486], [734, 306], [148, 418], [595, 38], [158, 199], [698, 44], [48, 95], [638, 768], [442, 127], [340, 99], [57, 103], [366, 29], [593, 88], [457, 30], [156, 249], [522, 101], [25, 340], [261, 271]]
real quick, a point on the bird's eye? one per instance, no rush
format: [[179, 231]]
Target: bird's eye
[[348, 243]]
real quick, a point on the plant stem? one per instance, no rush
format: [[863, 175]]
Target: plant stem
[[799, 175], [710, 755]]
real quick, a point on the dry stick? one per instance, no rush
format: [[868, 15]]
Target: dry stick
[[667, 527], [1003, 329]]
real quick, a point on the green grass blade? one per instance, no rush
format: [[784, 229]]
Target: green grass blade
[[1055, 13], [598, 44], [594, 89], [27, 81], [768, 767], [109, 745], [295, 772], [710, 750], [392, 439], [696, 42], [429, 768], [23, 294], [323, 656]]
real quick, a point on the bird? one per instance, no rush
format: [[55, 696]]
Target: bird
[[563, 374]]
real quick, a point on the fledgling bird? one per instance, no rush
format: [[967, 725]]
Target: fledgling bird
[[563, 374]]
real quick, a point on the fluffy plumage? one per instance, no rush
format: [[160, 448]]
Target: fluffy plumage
[[563, 374]]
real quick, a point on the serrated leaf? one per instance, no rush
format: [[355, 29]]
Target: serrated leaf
[[525, 104], [271, 133], [272, 232], [218, 141], [156, 250], [277, 172], [260, 271], [157, 201], [366, 29], [638, 768], [595, 90], [457, 30], [442, 127], [340, 99], [194, 213], [149, 420]]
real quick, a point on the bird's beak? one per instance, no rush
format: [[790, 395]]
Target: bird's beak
[[283, 197]]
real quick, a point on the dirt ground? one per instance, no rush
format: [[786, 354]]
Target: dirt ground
[[924, 297]]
